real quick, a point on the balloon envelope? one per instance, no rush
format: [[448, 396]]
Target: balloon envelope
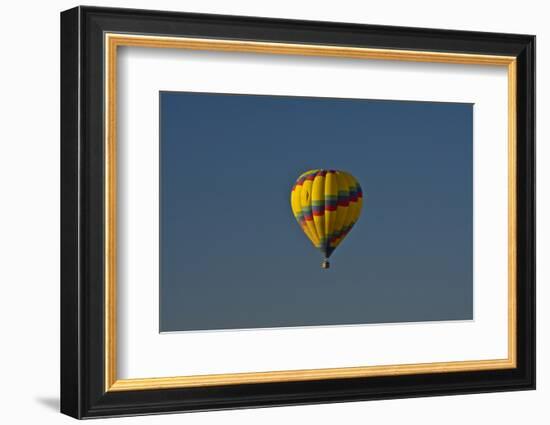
[[326, 204]]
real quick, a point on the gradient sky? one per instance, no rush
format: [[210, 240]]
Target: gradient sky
[[232, 254]]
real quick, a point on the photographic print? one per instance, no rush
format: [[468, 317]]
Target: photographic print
[[287, 211]]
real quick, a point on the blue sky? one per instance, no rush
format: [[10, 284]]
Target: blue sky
[[232, 254]]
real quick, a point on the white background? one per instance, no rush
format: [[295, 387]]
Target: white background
[[29, 224], [145, 72]]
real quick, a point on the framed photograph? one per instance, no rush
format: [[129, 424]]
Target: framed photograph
[[261, 212]]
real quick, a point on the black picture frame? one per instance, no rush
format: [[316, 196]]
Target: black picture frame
[[83, 392]]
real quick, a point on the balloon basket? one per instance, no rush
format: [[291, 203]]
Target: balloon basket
[[325, 264]]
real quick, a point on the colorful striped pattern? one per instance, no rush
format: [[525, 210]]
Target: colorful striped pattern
[[326, 204]]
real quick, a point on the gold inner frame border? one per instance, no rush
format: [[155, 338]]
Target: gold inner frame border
[[111, 43]]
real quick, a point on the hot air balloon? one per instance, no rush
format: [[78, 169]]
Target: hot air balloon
[[326, 204]]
